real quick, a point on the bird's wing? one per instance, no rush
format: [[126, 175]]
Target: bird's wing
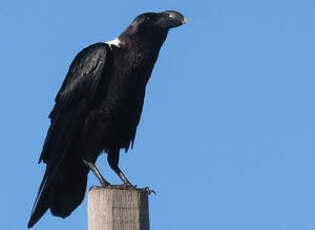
[[86, 79]]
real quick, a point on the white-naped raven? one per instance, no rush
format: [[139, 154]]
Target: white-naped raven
[[98, 109]]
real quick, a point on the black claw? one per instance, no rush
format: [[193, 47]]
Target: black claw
[[130, 186], [149, 191], [122, 186], [96, 187]]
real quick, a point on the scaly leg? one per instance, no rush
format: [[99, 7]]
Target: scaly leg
[[97, 173], [113, 159]]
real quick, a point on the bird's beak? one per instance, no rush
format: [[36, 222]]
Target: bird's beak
[[170, 19]]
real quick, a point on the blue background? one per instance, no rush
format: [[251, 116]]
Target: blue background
[[227, 131]]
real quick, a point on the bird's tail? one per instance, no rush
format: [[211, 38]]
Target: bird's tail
[[62, 191], [42, 201]]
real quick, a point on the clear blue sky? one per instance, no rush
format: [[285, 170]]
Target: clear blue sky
[[227, 135]]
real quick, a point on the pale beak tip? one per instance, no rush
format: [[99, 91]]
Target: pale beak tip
[[185, 21]]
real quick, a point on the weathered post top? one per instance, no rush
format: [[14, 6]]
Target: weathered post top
[[118, 209]]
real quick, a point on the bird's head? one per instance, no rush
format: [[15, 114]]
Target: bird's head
[[160, 21], [154, 26]]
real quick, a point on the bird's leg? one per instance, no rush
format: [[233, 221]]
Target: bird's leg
[[122, 176], [113, 159], [97, 173]]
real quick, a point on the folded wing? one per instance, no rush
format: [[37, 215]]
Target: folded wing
[[84, 85]]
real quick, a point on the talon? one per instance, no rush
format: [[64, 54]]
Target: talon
[[96, 187], [130, 186], [104, 184], [149, 191], [121, 186]]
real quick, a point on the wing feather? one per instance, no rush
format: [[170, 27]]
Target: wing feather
[[85, 81]]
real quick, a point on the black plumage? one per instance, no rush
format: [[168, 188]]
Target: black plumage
[[98, 109]]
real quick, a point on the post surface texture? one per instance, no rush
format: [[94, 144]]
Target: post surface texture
[[117, 209]]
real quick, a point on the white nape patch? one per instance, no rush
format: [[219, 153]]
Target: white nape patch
[[115, 42]]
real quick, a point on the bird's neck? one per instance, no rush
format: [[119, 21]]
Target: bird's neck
[[138, 53], [142, 41]]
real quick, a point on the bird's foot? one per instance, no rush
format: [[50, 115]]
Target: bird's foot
[[104, 184], [148, 190], [96, 187], [123, 186]]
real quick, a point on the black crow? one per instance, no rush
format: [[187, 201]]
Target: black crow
[[98, 109]]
